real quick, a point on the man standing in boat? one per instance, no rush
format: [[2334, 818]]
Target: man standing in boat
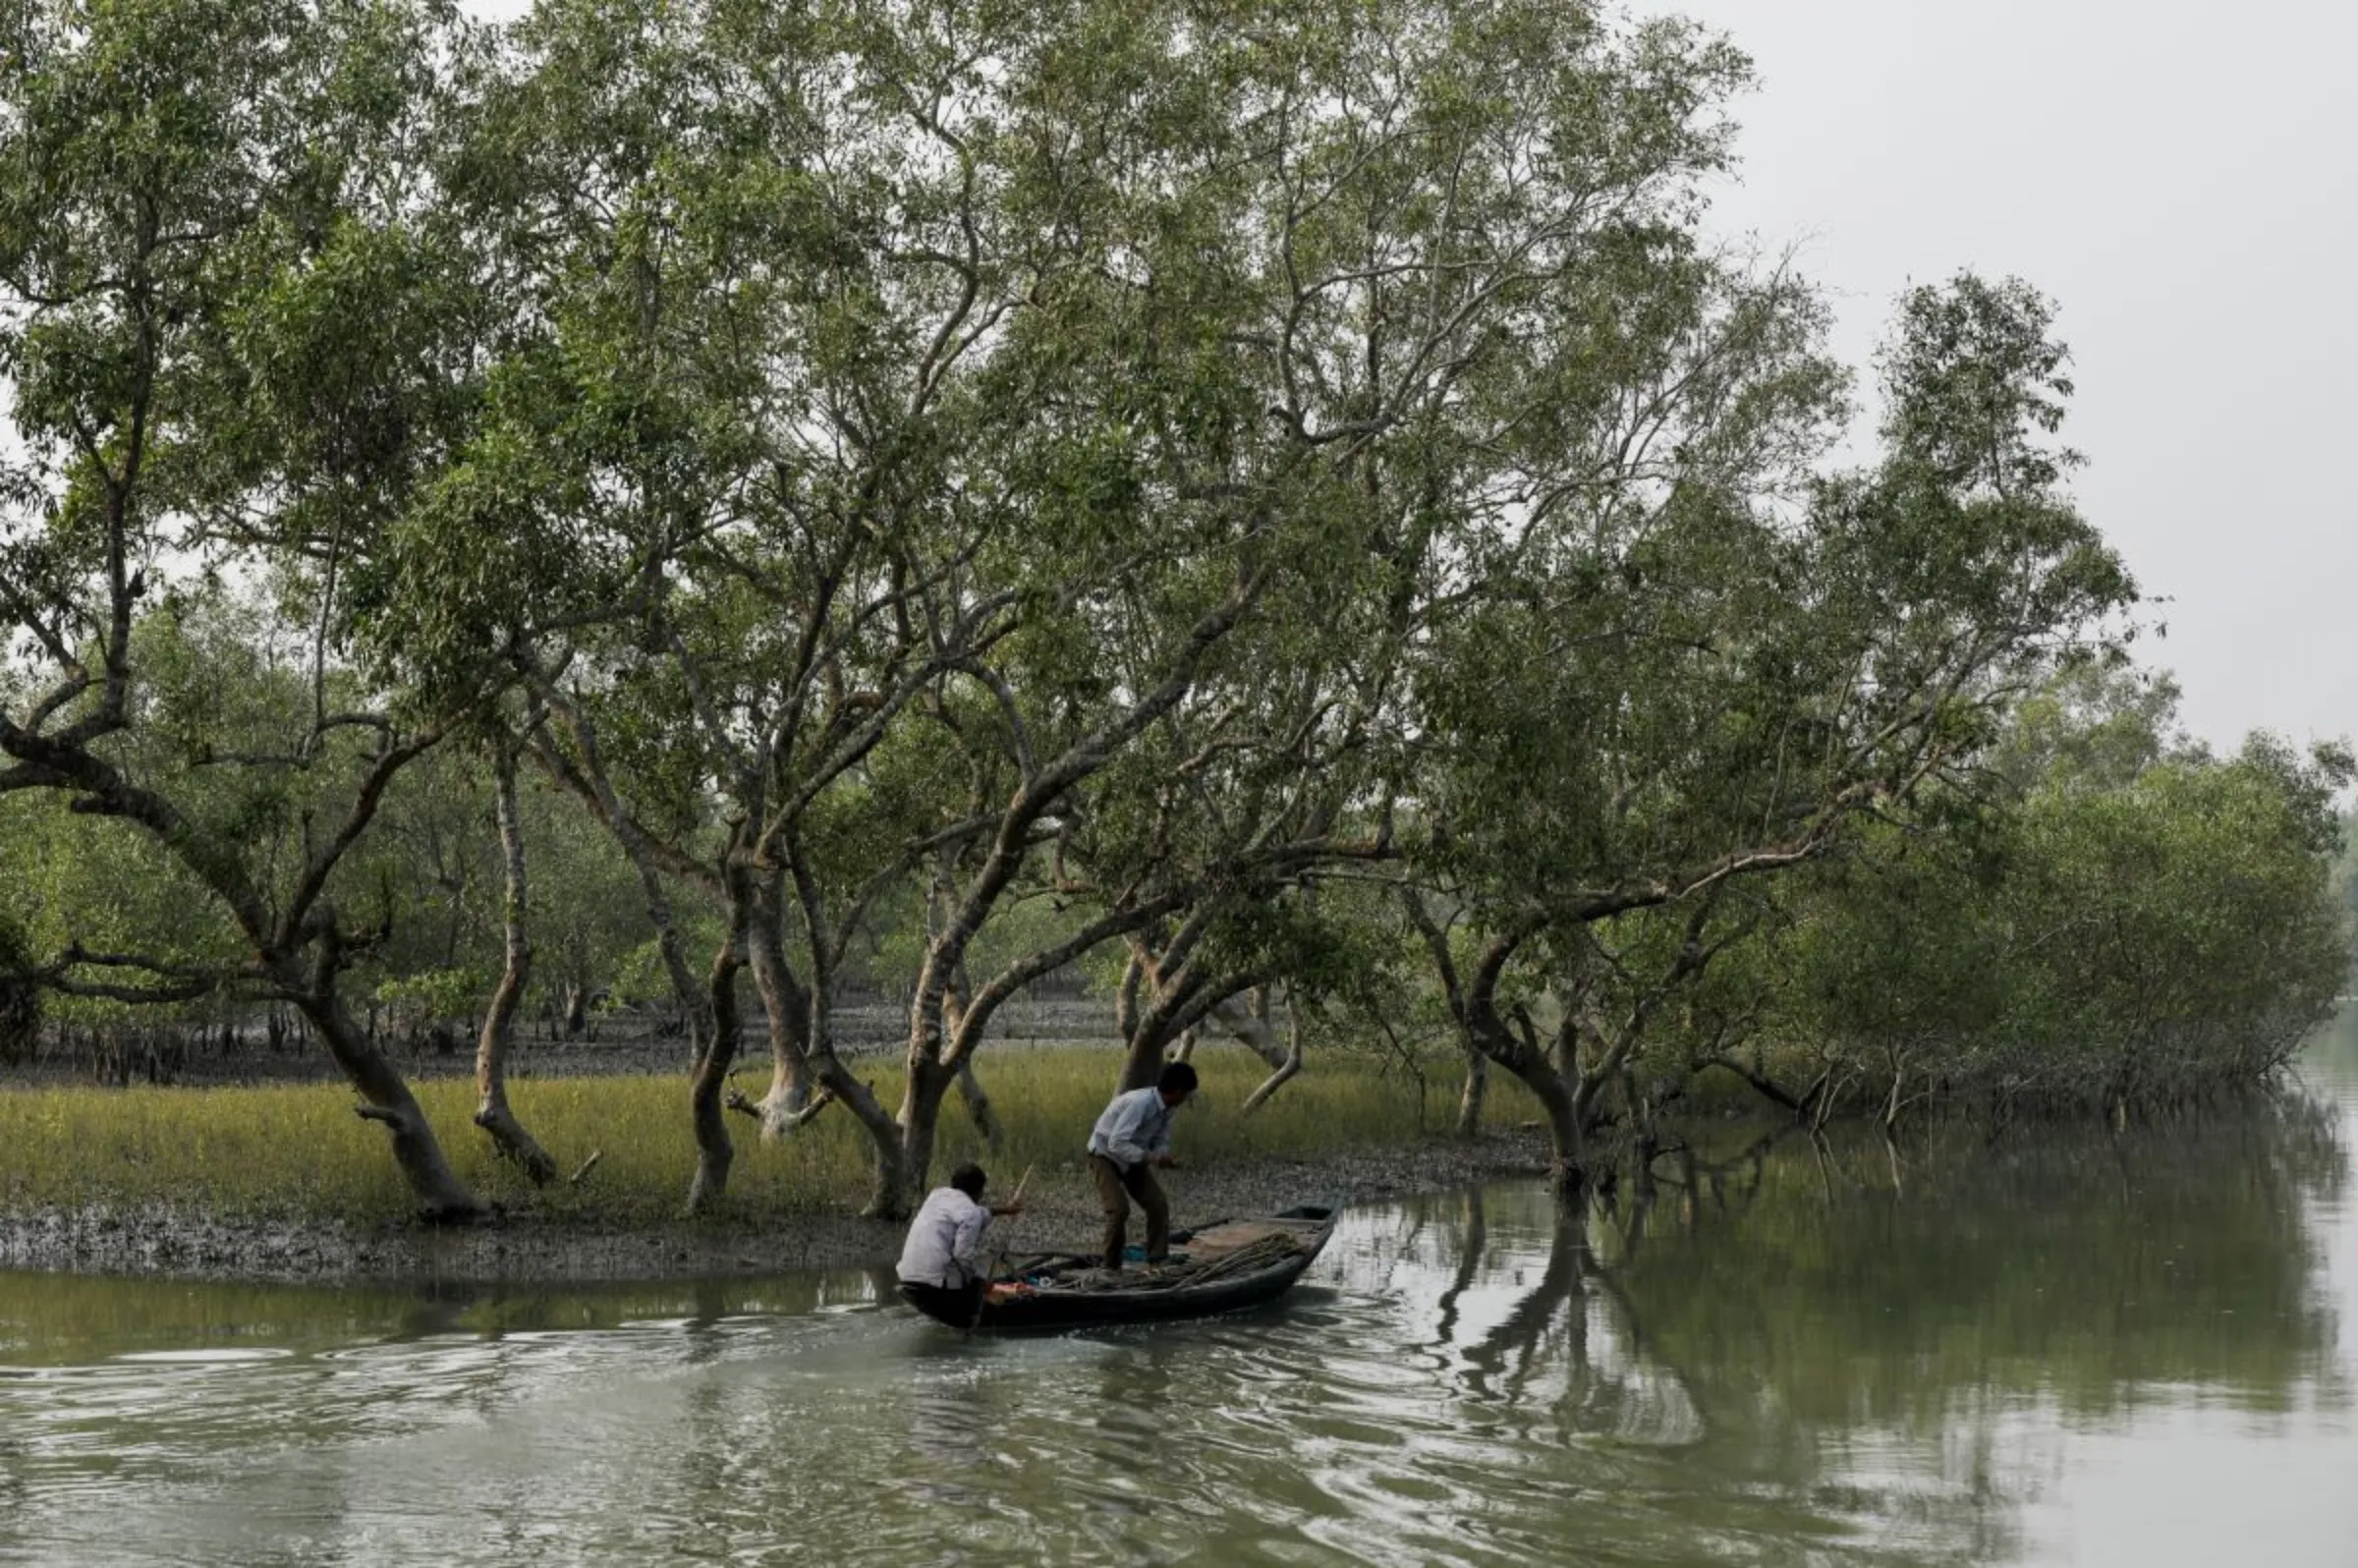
[[1132, 1139], [940, 1264]]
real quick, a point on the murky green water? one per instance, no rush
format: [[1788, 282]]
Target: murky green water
[[2098, 1350]]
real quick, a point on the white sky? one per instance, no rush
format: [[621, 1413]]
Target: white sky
[[2181, 178]]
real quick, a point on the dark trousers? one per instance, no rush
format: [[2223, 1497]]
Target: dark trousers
[[1116, 1186]]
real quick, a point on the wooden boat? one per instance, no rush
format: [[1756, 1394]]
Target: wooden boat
[[1218, 1268]]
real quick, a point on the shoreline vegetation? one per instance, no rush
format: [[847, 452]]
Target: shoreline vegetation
[[524, 1247], [281, 1181]]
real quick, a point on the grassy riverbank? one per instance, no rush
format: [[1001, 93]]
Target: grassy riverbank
[[292, 1160]]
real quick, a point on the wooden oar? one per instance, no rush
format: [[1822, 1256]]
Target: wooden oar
[[1002, 1271]]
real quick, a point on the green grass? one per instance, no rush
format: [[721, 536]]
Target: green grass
[[297, 1153]]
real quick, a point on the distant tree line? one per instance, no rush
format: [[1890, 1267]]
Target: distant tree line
[[1285, 511]]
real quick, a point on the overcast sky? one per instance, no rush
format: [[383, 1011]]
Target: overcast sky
[[2181, 180]]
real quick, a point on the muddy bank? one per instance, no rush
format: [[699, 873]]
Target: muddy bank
[[518, 1247]]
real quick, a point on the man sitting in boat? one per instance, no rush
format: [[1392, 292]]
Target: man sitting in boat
[[939, 1263], [1132, 1138]]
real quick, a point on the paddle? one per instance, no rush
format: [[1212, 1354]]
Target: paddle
[[1000, 1270]]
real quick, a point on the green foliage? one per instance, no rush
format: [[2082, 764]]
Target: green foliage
[[2345, 887], [79, 879], [430, 997], [2095, 724], [20, 997], [2133, 945]]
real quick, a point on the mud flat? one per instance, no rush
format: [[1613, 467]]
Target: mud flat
[[519, 1247]]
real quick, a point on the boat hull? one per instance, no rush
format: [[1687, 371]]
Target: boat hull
[[1048, 1308]]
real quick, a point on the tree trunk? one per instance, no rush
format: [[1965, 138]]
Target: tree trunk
[[977, 1105], [706, 1084], [387, 1100], [921, 1114], [887, 1196], [888, 1192], [577, 1009], [591, 783], [1568, 1171], [1256, 1027], [889, 1183], [787, 1008], [1566, 1111], [1469, 1104], [492, 1112], [1154, 1011], [936, 1009], [1142, 1063]]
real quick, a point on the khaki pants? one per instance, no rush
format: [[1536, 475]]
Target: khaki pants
[[1116, 1186]]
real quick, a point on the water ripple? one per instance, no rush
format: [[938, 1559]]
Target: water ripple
[[1451, 1387]]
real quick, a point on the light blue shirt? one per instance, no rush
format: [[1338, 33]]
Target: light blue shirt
[[1134, 1128]]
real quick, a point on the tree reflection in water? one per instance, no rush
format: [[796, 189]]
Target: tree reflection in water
[[1571, 1336], [1894, 1335]]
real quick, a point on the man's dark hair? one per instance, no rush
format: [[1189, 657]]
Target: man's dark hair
[[969, 1179], [1178, 1078]]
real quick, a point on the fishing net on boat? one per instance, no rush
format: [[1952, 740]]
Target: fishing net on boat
[[1217, 1253]]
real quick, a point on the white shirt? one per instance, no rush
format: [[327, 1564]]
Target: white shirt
[[1133, 1128], [943, 1240]]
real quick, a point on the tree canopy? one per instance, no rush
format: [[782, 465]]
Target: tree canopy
[[1244, 501]]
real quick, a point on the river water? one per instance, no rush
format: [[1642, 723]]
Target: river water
[[2135, 1348]]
